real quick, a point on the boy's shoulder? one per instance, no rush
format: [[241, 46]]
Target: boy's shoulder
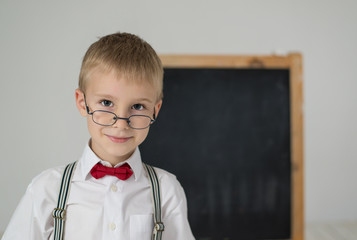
[[168, 181], [164, 174], [47, 181], [50, 173], [173, 196]]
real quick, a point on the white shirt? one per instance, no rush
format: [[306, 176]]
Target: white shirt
[[105, 208]]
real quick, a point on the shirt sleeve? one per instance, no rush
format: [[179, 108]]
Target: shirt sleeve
[[21, 221], [30, 220], [175, 212]]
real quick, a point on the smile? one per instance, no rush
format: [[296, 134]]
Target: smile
[[118, 139]]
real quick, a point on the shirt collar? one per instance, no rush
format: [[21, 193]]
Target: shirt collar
[[89, 159]]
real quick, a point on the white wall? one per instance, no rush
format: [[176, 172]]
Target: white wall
[[42, 43]]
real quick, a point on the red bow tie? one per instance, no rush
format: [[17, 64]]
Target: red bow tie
[[123, 172]]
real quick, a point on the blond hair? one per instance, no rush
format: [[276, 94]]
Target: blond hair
[[128, 55]]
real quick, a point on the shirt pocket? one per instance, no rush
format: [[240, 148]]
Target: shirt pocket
[[141, 227]]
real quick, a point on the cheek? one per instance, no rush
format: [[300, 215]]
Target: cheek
[[142, 135], [92, 127]]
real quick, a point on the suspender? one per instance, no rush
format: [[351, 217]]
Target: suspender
[[59, 212], [155, 196]]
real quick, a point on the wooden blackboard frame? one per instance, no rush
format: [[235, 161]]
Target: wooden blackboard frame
[[292, 62]]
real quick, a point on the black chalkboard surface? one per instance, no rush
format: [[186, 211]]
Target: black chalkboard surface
[[225, 134]]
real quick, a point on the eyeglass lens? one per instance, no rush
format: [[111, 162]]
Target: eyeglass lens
[[108, 119]]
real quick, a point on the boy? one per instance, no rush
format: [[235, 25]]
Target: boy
[[110, 194]]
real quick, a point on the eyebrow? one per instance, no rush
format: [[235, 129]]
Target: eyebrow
[[114, 98], [105, 96], [144, 100]]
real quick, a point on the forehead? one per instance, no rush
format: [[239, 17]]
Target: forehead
[[109, 83]]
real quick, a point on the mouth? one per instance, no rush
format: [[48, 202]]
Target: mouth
[[118, 139]]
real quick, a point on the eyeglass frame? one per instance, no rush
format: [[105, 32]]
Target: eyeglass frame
[[120, 118]]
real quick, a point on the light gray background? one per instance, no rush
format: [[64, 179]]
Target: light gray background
[[42, 44]]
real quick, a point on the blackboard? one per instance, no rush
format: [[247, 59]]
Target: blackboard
[[226, 134]]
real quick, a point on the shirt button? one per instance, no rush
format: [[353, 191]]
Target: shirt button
[[114, 188], [112, 226]]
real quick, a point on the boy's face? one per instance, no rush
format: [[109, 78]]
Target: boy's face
[[106, 92]]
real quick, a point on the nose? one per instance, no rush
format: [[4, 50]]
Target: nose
[[121, 123]]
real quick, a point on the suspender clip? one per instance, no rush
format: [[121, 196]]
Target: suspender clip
[[59, 213], [159, 226]]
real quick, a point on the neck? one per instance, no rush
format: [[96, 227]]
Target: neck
[[113, 159]]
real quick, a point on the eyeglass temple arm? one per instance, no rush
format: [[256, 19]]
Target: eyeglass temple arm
[[154, 116], [85, 102]]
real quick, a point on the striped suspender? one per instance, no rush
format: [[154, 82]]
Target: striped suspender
[[155, 187], [59, 212]]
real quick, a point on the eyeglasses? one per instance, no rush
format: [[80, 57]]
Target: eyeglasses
[[106, 118]]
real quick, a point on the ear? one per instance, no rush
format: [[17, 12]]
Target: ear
[[157, 108], [80, 102]]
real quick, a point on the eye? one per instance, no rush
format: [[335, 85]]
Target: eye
[[107, 103], [138, 107]]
